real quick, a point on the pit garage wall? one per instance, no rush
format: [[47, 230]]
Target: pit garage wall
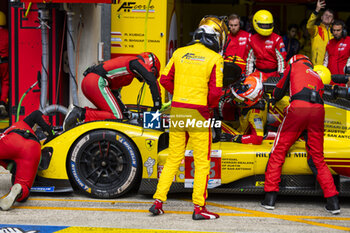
[[131, 27], [103, 23], [87, 34]]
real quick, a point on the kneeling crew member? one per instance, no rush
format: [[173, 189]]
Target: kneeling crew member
[[20, 144]]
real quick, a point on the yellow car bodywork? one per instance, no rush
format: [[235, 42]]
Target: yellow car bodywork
[[231, 161]]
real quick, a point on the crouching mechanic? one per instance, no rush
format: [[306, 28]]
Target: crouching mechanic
[[194, 77], [20, 144], [252, 110], [112, 75], [304, 116]]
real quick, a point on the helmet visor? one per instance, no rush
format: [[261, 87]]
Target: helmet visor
[[265, 25]]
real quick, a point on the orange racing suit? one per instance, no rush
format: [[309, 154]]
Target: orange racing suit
[[194, 77]]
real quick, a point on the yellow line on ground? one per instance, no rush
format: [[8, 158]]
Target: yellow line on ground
[[293, 218], [116, 210], [247, 212], [82, 200]]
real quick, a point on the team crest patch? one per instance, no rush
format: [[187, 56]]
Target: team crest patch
[[149, 144]]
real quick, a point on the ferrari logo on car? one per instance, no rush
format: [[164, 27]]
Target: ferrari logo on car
[[149, 144]]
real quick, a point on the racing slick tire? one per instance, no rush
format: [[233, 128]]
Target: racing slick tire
[[104, 164]]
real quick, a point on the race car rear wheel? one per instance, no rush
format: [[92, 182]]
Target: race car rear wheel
[[104, 164]]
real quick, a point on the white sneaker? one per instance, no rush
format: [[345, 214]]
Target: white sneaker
[[7, 201]]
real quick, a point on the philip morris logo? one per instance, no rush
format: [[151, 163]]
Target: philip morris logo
[[151, 120], [193, 57], [136, 8]]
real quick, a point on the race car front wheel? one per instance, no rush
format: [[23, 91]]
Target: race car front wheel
[[104, 164]]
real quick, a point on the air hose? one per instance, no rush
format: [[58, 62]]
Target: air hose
[[25, 93]]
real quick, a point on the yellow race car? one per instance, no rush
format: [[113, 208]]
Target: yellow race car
[[106, 159]]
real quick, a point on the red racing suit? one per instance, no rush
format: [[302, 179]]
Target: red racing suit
[[337, 56], [237, 45], [20, 144], [194, 77], [305, 115], [4, 67], [266, 54], [112, 75]]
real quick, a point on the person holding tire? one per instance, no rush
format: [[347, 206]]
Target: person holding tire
[[194, 77], [112, 75], [19, 143]]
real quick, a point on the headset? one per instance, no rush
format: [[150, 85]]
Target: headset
[[344, 32]]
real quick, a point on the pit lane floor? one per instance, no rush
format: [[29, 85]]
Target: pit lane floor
[[238, 213]]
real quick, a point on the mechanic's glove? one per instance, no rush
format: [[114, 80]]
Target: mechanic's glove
[[272, 101], [237, 138], [281, 75], [165, 106], [347, 70]]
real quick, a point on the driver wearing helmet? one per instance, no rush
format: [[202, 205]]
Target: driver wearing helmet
[[253, 112], [267, 52], [194, 77], [304, 116], [112, 75]]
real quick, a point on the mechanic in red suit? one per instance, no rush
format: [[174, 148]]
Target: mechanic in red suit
[[337, 57], [237, 39], [112, 75], [267, 52], [19, 143], [4, 67], [304, 116]]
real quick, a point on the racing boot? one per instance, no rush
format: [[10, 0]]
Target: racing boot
[[201, 213], [7, 201], [332, 205], [75, 115], [269, 201], [157, 207]]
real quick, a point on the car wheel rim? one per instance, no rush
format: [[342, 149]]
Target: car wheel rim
[[104, 163]]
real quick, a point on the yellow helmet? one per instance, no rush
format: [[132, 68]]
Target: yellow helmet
[[2, 19], [324, 73], [212, 32], [263, 22]]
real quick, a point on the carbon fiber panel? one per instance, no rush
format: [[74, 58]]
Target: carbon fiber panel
[[290, 185]]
